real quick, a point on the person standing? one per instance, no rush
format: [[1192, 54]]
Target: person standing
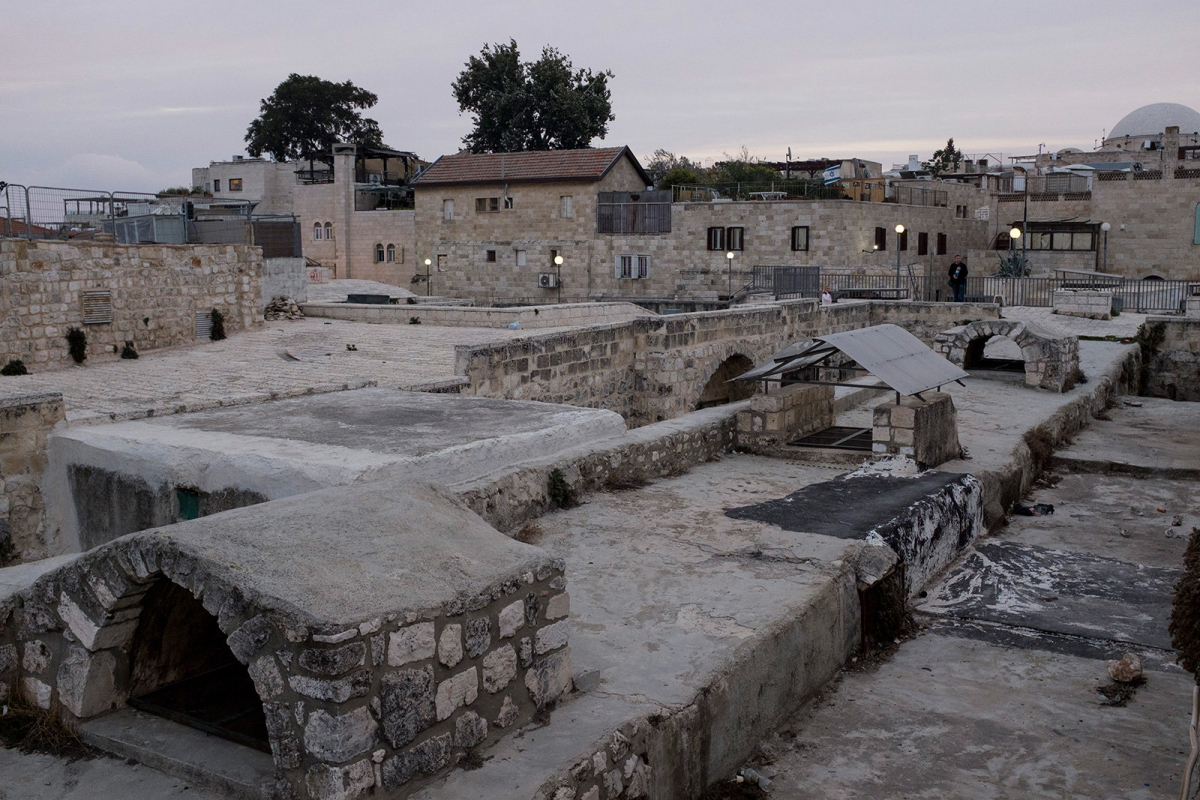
[[958, 279], [827, 297]]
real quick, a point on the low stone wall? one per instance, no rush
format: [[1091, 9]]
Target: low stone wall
[[772, 420], [924, 430], [150, 293], [1191, 307], [565, 315], [285, 277], [1173, 368], [1089, 303], [1051, 362], [25, 424]]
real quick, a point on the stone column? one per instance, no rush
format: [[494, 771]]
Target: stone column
[[925, 431]]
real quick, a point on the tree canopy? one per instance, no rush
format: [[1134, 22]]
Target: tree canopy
[[664, 164], [945, 160], [305, 116], [540, 105]]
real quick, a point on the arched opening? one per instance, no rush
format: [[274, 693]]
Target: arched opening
[[391, 253], [719, 391], [316, 231], [379, 254], [181, 668], [994, 354], [329, 231]]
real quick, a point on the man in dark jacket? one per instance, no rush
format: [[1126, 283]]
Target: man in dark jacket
[[958, 279]]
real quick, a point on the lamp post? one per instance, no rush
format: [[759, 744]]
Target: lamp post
[[1104, 226], [899, 233], [428, 277], [558, 261], [1024, 209], [729, 258]]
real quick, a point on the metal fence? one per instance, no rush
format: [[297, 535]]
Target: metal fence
[[44, 212], [772, 190], [626, 212], [917, 196]]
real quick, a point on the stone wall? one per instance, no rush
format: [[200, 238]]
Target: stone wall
[[156, 291], [776, 418], [656, 368], [1088, 303], [924, 430], [548, 316], [25, 424], [1051, 361], [1173, 366], [284, 277]]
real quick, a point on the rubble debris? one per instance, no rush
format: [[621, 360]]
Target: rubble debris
[[1036, 510], [1176, 521], [1126, 670], [282, 307]]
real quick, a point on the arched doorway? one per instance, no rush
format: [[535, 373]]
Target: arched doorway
[[994, 354], [719, 391], [181, 668]]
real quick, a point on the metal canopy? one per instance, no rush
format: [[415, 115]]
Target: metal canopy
[[888, 352]]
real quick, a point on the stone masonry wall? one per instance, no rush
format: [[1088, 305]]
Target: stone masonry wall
[[655, 368], [388, 703], [1088, 303], [548, 316], [1173, 370], [776, 418], [156, 291], [924, 430], [284, 277], [25, 424]]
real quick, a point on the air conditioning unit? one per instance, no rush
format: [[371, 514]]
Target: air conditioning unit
[[547, 280]]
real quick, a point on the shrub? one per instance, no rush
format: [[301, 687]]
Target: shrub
[[414, 320], [562, 494], [218, 326], [128, 351], [77, 344], [14, 367], [1185, 613]]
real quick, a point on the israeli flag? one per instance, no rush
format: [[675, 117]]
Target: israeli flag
[[832, 174]]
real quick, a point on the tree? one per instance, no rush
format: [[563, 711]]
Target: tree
[[744, 168], [305, 116], [663, 162], [679, 176], [540, 105], [945, 160]]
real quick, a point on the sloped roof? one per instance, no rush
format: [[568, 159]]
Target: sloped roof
[[888, 352], [590, 164]]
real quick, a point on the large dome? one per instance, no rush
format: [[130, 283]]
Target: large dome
[[1154, 119]]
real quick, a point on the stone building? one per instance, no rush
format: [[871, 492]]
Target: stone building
[[491, 226], [265, 185]]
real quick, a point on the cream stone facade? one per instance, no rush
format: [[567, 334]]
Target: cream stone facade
[[266, 185]]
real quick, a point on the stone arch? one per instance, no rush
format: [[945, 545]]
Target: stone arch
[[717, 390], [1051, 362]]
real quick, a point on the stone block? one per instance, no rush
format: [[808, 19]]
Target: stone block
[[511, 619], [339, 738], [408, 704], [267, 680], [469, 729], [333, 690], [552, 637], [90, 634], [37, 692], [409, 644], [249, 638], [559, 606], [550, 677], [450, 648], [332, 662], [499, 668], [36, 656], [479, 636], [8, 658], [339, 783], [458, 690], [508, 713], [87, 682]]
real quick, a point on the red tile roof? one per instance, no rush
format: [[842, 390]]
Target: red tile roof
[[590, 164]]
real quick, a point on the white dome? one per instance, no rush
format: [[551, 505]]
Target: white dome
[[1154, 119]]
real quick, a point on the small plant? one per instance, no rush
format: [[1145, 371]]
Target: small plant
[[14, 367], [33, 730], [353, 348], [128, 351], [77, 344], [562, 494], [218, 326], [146, 321], [414, 320]]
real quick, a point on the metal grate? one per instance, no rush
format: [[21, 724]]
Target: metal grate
[[97, 307], [203, 324], [837, 437]]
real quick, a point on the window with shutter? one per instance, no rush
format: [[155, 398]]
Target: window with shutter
[[881, 239], [922, 244], [716, 238], [316, 231], [447, 209], [643, 263], [942, 247], [378, 254], [800, 237], [391, 253], [735, 238]]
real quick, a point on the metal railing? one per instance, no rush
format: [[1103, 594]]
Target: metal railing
[[787, 283], [917, 196], [1141, 296], [772, 190]]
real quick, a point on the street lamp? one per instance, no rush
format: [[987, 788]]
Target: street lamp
[[428, 262], [558, 262], [1024, 207], [729, 258], [899, 233], [1104, 226]]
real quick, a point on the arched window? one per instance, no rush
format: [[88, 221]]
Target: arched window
[[391, 253], [329, 231], [316, 231], [378, 254]]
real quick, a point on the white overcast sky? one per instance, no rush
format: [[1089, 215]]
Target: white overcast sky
[[115, 95]]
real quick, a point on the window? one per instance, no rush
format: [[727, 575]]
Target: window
[[643, 264], [508, 203], [1196, 233], [553, 255], [329, 231], [922, 244], [316, 231], [216, 184], [716, 238], [487, 205], [490, 256], [447, 209], [800, 237], [942, 247], [624, 267], [630, 266], [235, 184], [1064, 240], [391, 254], [904, 240], [441, 263], [565, 204], [881, 239], [735, 238], [378, 254], [520, 258]]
